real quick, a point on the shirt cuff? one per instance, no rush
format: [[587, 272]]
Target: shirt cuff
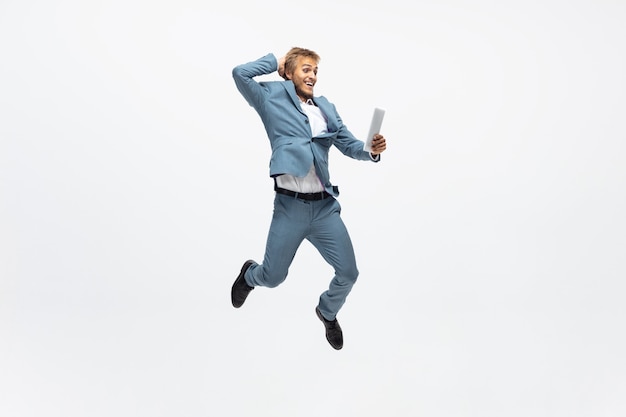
[[375, 158]]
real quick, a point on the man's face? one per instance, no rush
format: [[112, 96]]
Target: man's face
[[304, 77]]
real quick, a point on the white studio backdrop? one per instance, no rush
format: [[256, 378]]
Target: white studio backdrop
[[490, 239]]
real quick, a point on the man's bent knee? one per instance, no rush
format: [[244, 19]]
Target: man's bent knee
[[348, 275]]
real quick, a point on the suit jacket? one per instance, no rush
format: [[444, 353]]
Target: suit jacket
[[287, 125]]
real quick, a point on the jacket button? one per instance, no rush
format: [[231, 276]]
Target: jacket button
[[306, 121]]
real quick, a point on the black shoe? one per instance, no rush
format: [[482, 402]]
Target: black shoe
[[334, 335], [241, 289]]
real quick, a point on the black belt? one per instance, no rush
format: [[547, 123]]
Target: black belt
[[303, 196]]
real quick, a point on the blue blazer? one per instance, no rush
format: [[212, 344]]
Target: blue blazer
[[287, 125]]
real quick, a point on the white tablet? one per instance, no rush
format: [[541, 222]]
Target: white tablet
[[377, 121]]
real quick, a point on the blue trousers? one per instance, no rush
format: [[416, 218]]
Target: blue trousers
[[320, 223]]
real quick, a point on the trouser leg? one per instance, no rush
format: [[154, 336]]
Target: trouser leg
[[330, 236], [290, 222]]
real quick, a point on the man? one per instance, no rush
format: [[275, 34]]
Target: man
[[301, 129]]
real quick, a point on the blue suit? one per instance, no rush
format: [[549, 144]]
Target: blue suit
[[293, 151]]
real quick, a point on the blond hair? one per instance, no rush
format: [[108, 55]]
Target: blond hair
[[291, 58]]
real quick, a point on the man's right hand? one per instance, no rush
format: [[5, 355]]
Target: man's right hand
[[281, 67]]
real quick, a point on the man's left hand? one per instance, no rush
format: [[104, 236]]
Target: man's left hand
[[378, 144]]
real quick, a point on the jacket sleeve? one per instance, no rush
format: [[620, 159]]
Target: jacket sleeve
[[254, 93], [349, 145]]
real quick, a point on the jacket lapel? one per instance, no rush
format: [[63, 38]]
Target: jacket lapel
[[321, 102], [291, 91], [327, 110]]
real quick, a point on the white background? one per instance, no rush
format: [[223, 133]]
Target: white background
[[490, 239]]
